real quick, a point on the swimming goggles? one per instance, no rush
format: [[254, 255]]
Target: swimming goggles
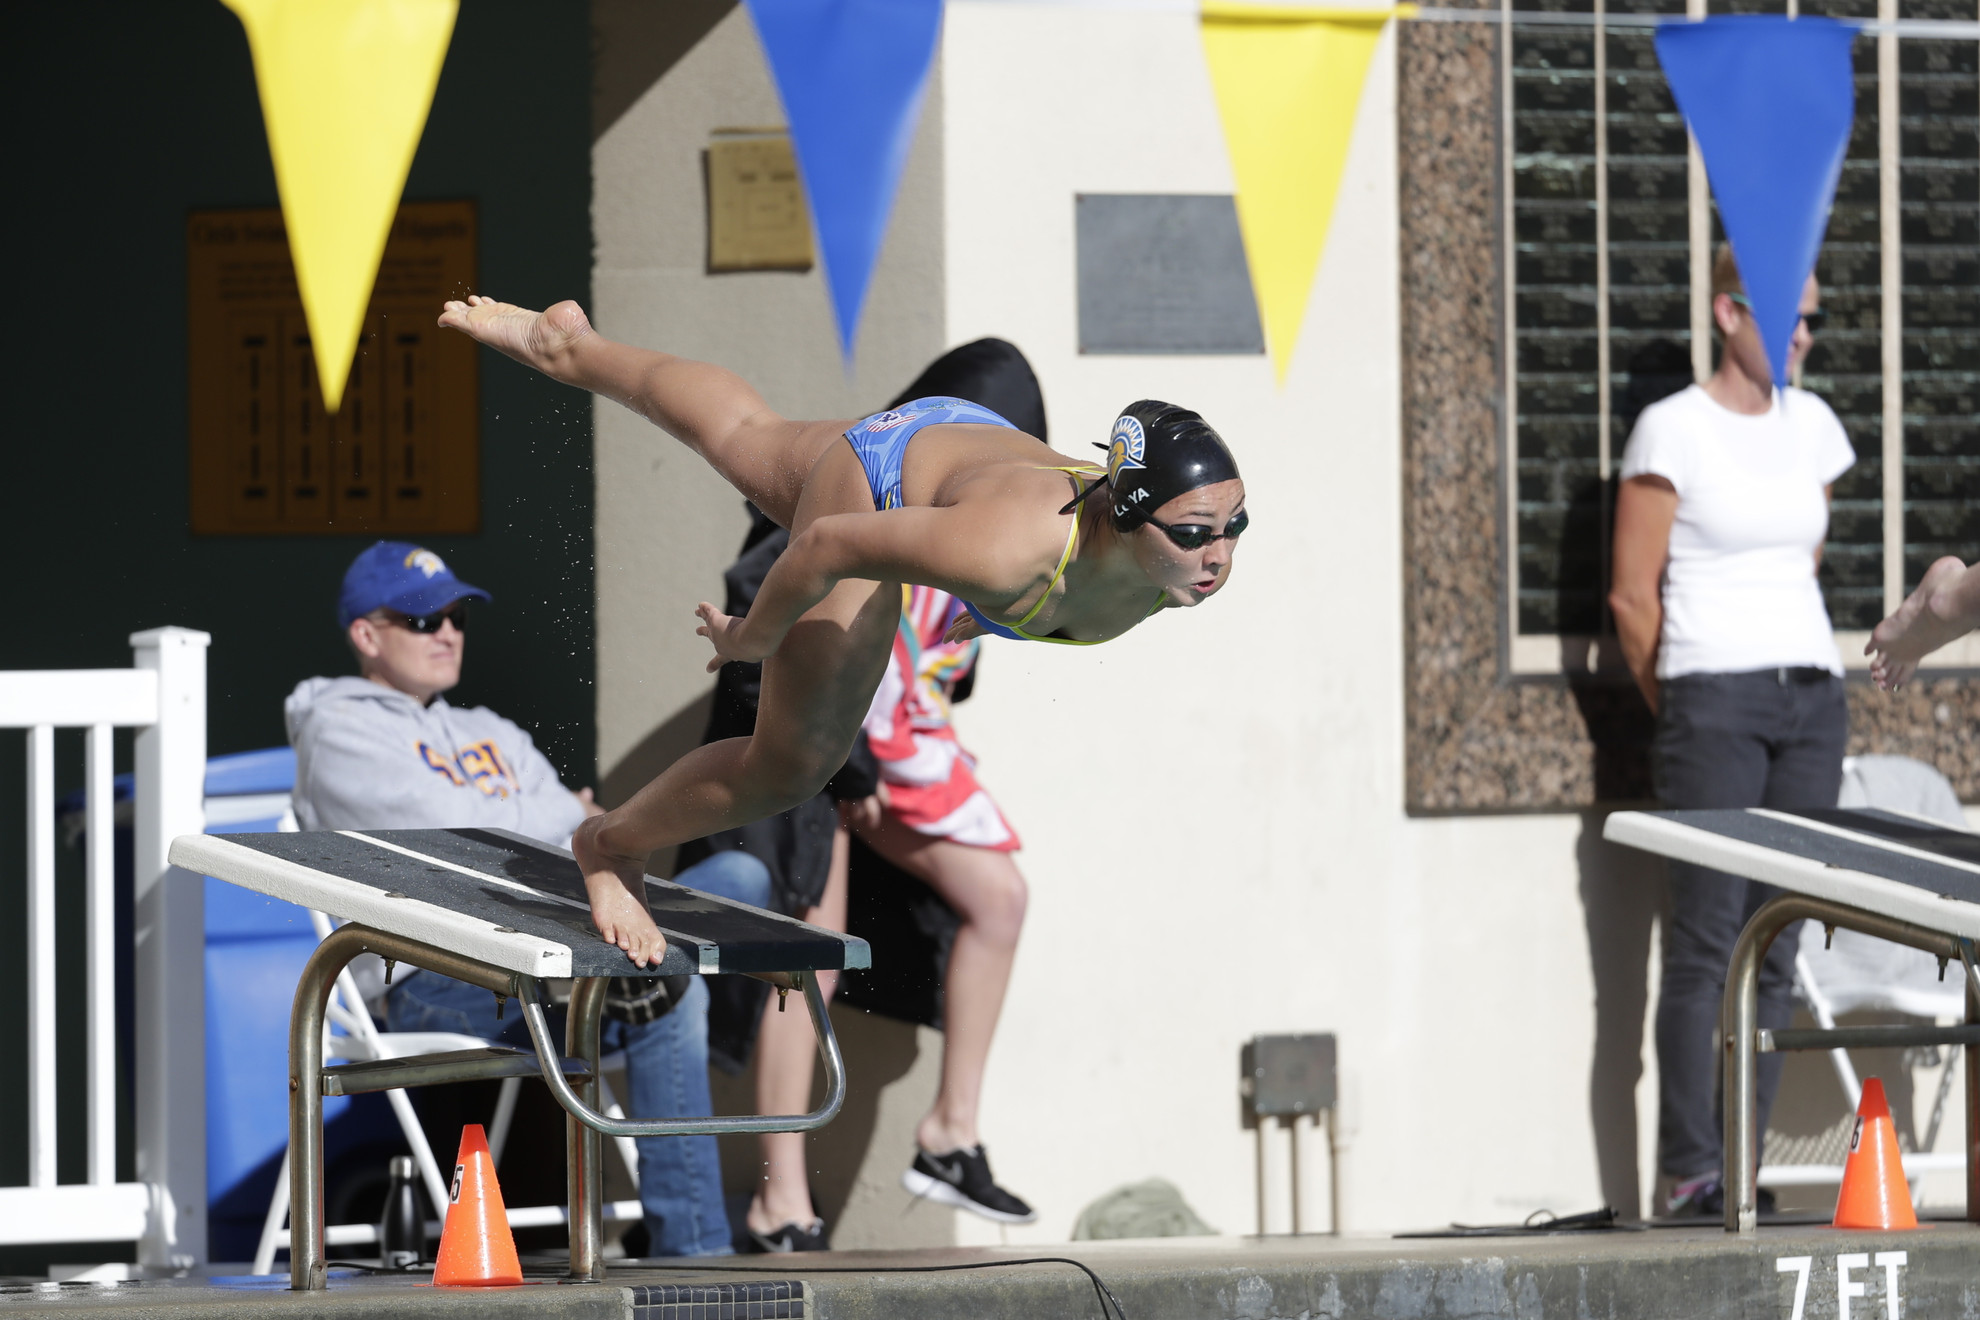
[[1194, 536]]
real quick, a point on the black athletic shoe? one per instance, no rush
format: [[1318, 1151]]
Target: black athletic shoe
[[791, 1237], [962, 1178], [1705, 1198]]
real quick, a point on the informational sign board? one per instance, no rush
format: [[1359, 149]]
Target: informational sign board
[[1164, 273], [756, 212], [402, 456]]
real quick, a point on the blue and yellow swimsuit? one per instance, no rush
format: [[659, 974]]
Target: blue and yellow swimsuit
[[881, 442]]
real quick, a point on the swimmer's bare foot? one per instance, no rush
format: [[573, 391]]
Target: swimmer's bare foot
[[1928, 619], [617, 886], [535, 339]]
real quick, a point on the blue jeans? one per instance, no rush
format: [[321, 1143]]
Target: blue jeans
[[680, 1178]]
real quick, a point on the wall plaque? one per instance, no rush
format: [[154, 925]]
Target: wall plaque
[[403, 454], [756, 213], [1163, 273]]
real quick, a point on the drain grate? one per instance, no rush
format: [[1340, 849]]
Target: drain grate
[[757, 1299]]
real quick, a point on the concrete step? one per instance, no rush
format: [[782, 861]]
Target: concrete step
[[1658, 1274], [1798, 1273]]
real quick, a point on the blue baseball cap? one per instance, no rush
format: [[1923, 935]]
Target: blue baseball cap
[[399, 576]]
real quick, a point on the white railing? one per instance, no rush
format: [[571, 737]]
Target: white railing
[[164, 1211]]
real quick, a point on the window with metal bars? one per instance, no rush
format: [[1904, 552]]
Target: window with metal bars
[[1610, 229]]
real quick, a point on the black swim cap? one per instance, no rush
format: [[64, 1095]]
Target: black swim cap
[[1157, 452]]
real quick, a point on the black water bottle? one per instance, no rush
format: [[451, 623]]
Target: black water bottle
[[401, 1228]]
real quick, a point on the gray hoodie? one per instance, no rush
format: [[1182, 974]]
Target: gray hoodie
[[371, 757]]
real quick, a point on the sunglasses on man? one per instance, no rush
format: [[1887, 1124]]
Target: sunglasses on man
[[1194, 536], [430, 623], [1815, 320]]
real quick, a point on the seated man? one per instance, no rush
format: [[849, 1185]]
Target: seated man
[[384, 750]]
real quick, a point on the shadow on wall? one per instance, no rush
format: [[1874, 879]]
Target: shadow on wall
[[892, 1070], [1623, 893], [674, 737], [646, 40]]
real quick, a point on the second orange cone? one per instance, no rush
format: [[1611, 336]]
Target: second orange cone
[[477, 1250], [1874, 1192]]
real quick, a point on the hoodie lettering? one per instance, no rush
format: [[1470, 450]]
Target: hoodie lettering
[[479, 763]]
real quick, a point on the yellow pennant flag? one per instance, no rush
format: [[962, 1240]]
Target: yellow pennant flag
[[345, 88], [1288, 83]]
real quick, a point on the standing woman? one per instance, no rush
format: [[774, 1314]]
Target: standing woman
[[1719, 528]]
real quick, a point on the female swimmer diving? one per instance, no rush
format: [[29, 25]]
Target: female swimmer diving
[[977, 508]]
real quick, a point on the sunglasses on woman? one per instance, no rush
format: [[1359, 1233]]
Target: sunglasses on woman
[[1194, 536], [1815, 319], [430, 623]]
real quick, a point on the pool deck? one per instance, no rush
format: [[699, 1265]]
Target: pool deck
[[1661, 1274]]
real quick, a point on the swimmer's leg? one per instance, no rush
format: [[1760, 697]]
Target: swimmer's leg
[[816, 690], [708, 408]]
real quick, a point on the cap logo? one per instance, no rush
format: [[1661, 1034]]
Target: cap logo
[[1126, 449], [426, 562]]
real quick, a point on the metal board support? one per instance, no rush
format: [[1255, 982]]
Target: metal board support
[[307, 1262], [1740, 1030]]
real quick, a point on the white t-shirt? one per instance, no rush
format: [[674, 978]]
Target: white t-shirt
[[1739, 590]]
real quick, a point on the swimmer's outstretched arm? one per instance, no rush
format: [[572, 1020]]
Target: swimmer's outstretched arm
[[988, 549], [698, 403], [1945, 607]]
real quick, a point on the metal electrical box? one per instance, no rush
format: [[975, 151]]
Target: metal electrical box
[[1284, 1075]]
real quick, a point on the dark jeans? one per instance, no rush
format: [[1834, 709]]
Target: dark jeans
[[1769, 738]]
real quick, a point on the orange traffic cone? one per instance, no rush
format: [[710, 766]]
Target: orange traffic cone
[[1874, 1192], [477, 1250]]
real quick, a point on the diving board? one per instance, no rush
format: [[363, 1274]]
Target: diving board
[[1901, 866], [504, 912], [506, 900]]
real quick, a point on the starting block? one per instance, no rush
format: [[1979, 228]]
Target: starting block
[[504, 912], [1901, 878]]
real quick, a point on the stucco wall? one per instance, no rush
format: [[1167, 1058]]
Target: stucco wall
[[1213, 807]]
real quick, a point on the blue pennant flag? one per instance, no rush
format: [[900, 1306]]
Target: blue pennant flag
[[1770, 101], [852, 74]]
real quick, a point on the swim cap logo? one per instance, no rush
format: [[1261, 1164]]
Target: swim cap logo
[[426, 562], [1126, 449]]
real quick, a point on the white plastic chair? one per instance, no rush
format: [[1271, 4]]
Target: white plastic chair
[[1858, 973]]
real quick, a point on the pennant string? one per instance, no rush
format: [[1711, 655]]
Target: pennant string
[[1937, 29], [1231, 11], [1940, 29]]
